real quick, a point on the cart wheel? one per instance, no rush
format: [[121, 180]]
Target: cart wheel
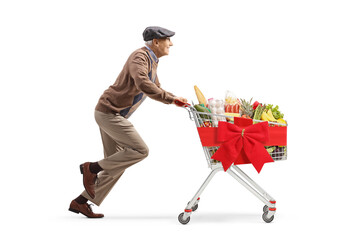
[[267, 220], [180, 218], [265, 208]]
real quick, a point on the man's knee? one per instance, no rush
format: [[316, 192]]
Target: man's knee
[[145, 151]]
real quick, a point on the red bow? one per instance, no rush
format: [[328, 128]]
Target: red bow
[[243, 144]]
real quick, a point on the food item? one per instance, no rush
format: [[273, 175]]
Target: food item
[[230, 98], [256, 104], [205, 119], [207, 124], [276, 152], [258, 112], [270, 149], [203, 105], [217, 107], [270, 116], [200, 96], [282, 121], [246, 107], [267, 116], [200, 108], [231, 116], [208, 102], [232, 108], [246, 116], [264, 116], [232, 104], [275, 111]]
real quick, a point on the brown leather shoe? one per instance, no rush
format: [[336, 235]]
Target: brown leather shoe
[[84, 209], [89, 179]]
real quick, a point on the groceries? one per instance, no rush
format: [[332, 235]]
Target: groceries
[[232, 114], [246, 108], [232, 106], [282, 121], [267, 116], [217, 107], [276, 152], [258, 111], [201, 108], [200, 96], [204, 119], [275, 111], [210, 112]]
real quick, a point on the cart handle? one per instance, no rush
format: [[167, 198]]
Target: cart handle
[[181, 104]]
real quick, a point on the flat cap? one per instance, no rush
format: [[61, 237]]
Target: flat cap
[[151, 33]]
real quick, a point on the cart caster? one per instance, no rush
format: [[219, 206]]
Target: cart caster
[[194, 207], [180, 218], [266, 219]]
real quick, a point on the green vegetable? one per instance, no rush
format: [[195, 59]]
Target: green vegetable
[[275, 111], [270, 149], [203, 105], [200, 108], [258, 111], [203, 117]]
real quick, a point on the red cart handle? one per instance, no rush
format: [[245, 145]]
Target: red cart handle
[[181, 104]]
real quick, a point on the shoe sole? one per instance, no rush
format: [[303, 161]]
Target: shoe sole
[[74, 211], [77, 212]]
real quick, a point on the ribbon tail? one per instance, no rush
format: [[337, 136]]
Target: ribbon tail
[[259, 157], [220, 155], [227, 153]]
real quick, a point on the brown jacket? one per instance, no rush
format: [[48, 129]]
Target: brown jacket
[[137, 80]]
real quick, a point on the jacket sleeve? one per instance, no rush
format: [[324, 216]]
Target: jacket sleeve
[[139, 72]]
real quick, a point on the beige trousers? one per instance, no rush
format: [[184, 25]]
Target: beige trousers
[[123, 147]]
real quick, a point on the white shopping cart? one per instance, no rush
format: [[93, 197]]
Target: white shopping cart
[[276, 152]]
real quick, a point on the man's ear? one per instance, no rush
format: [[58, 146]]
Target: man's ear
[[155, 41]]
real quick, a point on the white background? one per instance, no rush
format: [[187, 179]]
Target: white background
[[57, 57]]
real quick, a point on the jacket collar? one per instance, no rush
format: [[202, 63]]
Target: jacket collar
[[152, 54]]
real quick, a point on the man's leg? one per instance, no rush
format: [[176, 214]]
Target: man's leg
[[110, 147], [123, 147], [79, 204]]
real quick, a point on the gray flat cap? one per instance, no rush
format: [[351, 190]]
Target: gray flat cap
[[151, 33]]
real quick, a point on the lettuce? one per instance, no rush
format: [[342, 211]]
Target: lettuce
[[275, 111]]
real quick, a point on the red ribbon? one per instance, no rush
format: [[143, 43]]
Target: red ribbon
[[242, 145]]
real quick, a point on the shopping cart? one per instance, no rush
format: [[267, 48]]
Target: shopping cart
[[203, 120]]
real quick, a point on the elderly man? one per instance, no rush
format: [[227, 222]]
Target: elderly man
[[123, 145]]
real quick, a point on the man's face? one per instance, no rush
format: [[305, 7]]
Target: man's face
[[162, 46]]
